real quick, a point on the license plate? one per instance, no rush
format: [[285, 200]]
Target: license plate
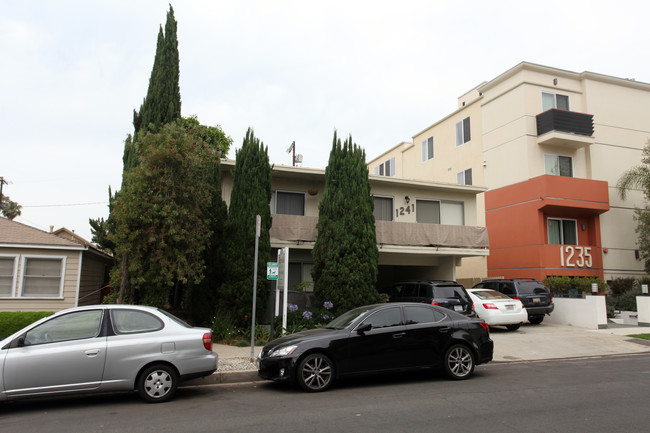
[[536, 300], [510, 307], [458, 308]]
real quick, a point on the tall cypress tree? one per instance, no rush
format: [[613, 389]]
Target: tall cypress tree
[[251, 195], [345, 253], [161, 105], [163, 101]]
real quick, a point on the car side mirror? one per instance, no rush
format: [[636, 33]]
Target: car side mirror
[[364, 328]]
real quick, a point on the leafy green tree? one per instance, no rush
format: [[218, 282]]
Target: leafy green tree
[[251, 195], [163, 214], [345, 253], [10, 209], [638, 178]]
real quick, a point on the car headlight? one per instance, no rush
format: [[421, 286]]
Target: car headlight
[[283, 351]]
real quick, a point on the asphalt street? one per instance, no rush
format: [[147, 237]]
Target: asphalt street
[[603, 394]]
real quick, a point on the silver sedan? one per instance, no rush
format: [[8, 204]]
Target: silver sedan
[[105, 348]]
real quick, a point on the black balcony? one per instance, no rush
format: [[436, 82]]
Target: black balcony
[[565, 121]]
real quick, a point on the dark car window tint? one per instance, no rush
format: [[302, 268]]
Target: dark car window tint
[[385, 318], [130, 321], [507, 288], [449, 292], [531, 288], [73, 326], [396, 290], [415, 315], [410, 291]]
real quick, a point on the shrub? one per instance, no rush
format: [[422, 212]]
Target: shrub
[[621, 285], [14, 321], [223, 327], [562, 284], [625, 301]]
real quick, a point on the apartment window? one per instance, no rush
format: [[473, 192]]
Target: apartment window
[[427, 149], [383, 208], [562, 231], [43, 277], [554, 100], [7, 275], [463, 132], [558, 165], [386, 169], [427, 211], [288, 203], [464, 177], [452, 213]]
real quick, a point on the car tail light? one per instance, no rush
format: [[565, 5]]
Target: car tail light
[[490, 306], [434, 303], [551, 298], [517, 298], [207, 341], [485, 326]]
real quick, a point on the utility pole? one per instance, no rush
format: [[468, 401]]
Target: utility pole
[[2, 183]]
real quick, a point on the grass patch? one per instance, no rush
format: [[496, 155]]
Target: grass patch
[[641, 336], [14, 321]]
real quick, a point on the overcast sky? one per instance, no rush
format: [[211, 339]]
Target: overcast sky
[[73, 71]]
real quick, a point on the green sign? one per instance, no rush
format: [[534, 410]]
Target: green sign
[[271, 270]]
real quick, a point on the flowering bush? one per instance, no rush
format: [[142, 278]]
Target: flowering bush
[[298, 320]]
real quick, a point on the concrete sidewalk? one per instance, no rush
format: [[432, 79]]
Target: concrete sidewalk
[[529, 343]]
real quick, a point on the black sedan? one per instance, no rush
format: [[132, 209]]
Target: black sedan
[[375, 339]]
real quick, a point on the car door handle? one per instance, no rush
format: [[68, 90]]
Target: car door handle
[[399, 335], [92, 352], [444, 330]]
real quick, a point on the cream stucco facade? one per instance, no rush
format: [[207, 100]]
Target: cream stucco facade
[[507, 146]]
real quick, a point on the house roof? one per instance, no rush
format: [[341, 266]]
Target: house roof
[[17, 234]]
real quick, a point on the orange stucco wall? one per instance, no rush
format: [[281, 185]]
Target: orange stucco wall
[[517, 217]]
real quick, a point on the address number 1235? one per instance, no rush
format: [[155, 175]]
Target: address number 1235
[[572, 256]]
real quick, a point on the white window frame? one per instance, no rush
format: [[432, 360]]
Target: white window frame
[[554, 96], [557, 164], [274, 201], [561, 220], [460, 131], [14, 275], [427, 151], [389, 169], [63, 260], [461, 177], [445, 207]]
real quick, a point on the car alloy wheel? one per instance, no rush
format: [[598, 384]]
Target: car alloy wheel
[[315, 373], [459, 362], [158, 383]]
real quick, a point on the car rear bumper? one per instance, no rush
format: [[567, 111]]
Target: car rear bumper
[[540, 311]]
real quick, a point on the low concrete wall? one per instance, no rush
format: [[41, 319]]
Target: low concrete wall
[[589, 312], [643, 310]]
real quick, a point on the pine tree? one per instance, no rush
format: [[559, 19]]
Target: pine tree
[[251, 195], [345, 253]]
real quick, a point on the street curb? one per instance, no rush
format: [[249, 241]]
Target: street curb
[[236, 376]]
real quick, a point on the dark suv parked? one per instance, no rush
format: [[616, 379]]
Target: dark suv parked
[[535, 296], [448, 294]]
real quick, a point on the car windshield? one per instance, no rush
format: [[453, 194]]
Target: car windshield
[[348, 318], [489, 294]]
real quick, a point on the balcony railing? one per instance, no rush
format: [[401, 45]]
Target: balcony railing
[[300, 229], [565, 121]]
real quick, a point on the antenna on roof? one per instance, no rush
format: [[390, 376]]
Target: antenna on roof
[[296, 158]]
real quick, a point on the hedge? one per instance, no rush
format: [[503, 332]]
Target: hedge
[[14, 321]]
